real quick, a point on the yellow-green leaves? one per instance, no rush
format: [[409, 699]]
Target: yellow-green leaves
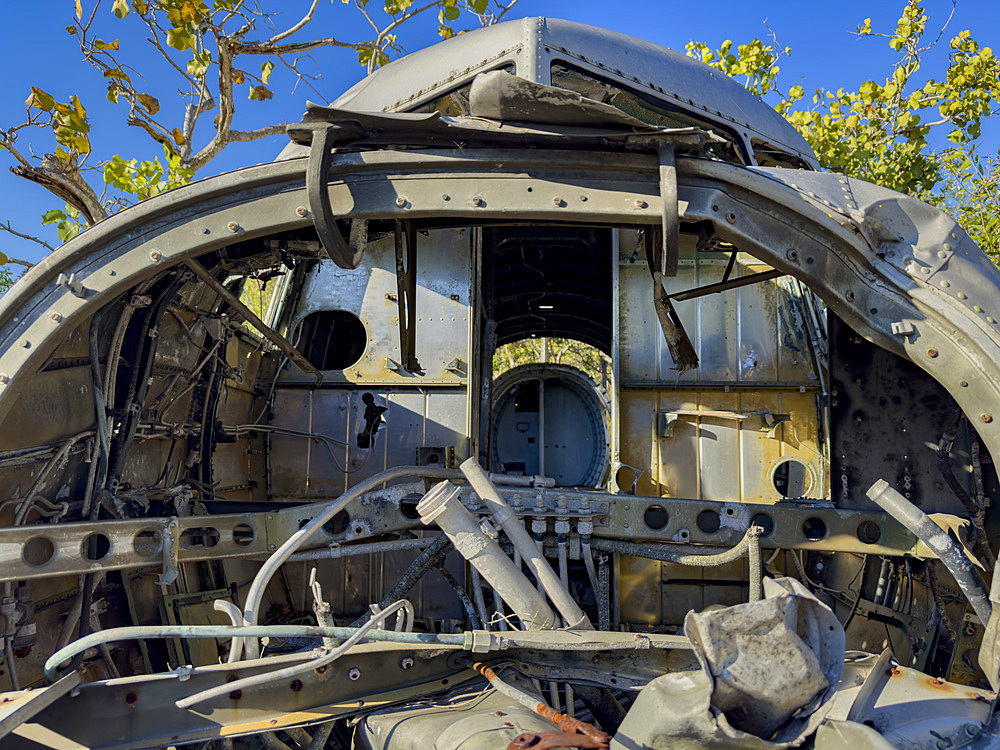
[[68, 222], [265, 72], [40, 100], [150, 103], [79, 10], [260, 93], [102, 46], [144, 179], [198, 64], [120, 8]]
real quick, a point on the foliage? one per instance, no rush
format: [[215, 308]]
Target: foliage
[[218, 52], [555, 350], [916, 134]]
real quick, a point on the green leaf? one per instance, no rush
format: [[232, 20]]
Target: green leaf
[[102, 46], [479, 6], [41, 100], [265, 71], [51, 217], [178, 136], [117, 73], [79, 10], [260, 93], [451, 13], [120, 8]]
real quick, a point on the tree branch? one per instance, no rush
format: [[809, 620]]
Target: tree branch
[[262, 48], [6, 227], [297, 27]]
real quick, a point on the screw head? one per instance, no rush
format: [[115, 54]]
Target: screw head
[[301, 211], [156, 256], [932, 353], [400, 201], [476, 201], [232, 226], [558, 202], [406, 663], [56, 317], [354, 673], [731, 218], [4, 378], [985, 418], [26, 344], [640, 203]]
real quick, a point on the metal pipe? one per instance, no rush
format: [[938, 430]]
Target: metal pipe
[[133, 632], [256, 593], [323, 658], [663, 553], [518, 536], [754, 563], [347, 550], [939, 542], [441, 505], [235, 618]]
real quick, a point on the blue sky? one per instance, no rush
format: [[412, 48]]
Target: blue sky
[[39, 51]]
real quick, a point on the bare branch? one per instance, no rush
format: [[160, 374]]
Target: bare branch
[[8, 228], [153, 130], [297, 27], [262, 48], [246, 136]]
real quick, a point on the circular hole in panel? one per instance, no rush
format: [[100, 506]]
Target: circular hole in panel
[[655, 517], [304, 522], [96, 547], [338, 524], [791, 478], [147, 542], [243, 534], [38, 551], [814, 529], [764, 521], [202, 537], [333, 339], [709, 521], [408, 507], [684, 534], [869, 532]]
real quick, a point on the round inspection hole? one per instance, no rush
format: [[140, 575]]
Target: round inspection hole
[[764, 521], [869, 532], [333, 339], [684, 534], [655, 517], [201, 537], [814, 529], [791, 478], [38, 551], [243, 534], [338, 524], [96, 547], [408, 506], [147, 542], [709, 521]]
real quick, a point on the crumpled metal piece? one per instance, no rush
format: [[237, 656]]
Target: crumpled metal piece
[[769, 672]]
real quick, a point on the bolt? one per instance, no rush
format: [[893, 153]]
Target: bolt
[[962, 295], [850, 296], [4, 379], [945, 285], [26, 344], [406, 663], [476, 201], [977, 308], [301, 211], [583, 198], [985, 418], [640, 203], [932, 353], [731, 218], [792, 254], [232, 226], [558, 202], [400, 201], [155, 256], [56, 317], [354, 673]]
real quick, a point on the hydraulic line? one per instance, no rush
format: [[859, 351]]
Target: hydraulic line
[[939, 542], [664, 553]]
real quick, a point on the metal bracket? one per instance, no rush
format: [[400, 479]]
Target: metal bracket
[[406, 295], [73, 284], [770, 422], [171, 548], [317, 171], [266, 331]]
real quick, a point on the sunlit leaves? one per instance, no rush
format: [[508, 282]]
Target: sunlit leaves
[[261, 93], [265, 72], [147, 178], [40, 100], [68, 222], [120, 8]]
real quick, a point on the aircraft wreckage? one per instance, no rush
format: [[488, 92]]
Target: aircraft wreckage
[[770, 522]]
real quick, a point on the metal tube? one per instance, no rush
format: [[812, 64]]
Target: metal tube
[[235, 618], [441, 505], [754, 562], [663, 553], [256, 593], [134, 632], [523, 543], [937, 539]]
